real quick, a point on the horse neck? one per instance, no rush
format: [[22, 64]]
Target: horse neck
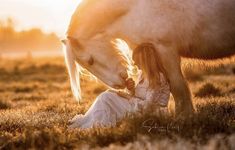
[[123, 28], [101, 14], [118, 30]]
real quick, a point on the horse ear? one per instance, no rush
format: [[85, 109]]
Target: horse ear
[[64, 41]]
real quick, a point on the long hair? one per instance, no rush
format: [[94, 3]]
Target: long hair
[[146, 57]]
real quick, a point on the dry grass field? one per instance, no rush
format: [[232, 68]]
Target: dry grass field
[[36, 103]]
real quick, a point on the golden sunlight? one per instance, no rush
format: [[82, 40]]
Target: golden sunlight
[[75, 85], [122, 46], [49, 15], [34, 28]]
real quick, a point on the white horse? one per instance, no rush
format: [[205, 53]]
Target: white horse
[[202, 29]]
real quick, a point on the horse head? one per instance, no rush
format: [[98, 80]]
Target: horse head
[[89, 47], [102, 59]]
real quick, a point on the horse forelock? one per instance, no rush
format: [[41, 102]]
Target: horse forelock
[[123, 52]]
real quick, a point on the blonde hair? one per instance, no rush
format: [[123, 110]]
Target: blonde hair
[[147, 58]]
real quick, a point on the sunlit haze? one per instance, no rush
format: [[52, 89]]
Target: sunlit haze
[[49, 15]]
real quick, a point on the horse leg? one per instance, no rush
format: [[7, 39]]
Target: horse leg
[[172, 65]]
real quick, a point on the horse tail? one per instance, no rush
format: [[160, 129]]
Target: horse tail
[[73, 70]]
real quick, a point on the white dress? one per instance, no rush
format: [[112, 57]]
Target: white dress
[[109, 107]]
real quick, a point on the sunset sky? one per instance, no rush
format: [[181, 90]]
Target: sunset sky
[[50, 15]]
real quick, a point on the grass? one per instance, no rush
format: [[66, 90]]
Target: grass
[[4, 105], [36, 104], [208, 90]]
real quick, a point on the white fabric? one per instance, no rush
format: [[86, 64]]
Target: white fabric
[[109, 107]]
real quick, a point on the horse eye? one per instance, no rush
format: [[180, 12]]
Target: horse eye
[[91, 61]]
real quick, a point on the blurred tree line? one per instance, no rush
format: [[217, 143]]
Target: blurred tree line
[[28, 40]]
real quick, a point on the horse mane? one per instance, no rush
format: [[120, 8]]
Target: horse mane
[[123, 52]]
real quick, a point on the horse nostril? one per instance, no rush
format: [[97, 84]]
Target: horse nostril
[[124, 75]]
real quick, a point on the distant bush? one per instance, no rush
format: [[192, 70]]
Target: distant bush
[[208, 90], [4, 105], [233, 70], [23, 89], [28, 40], [232, 90]]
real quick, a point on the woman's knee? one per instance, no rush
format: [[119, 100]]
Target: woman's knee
[[106, 95]]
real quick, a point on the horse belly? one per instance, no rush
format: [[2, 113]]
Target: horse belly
[[210, 44], [212, 34]]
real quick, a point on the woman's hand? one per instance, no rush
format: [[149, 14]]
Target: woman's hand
[[130, 83], [124, 95]]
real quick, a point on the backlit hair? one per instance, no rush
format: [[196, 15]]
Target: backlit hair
[[147, 58]]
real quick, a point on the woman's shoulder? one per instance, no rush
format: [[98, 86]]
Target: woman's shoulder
[[163, 84]]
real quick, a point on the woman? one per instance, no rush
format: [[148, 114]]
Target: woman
[[111, 106]]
